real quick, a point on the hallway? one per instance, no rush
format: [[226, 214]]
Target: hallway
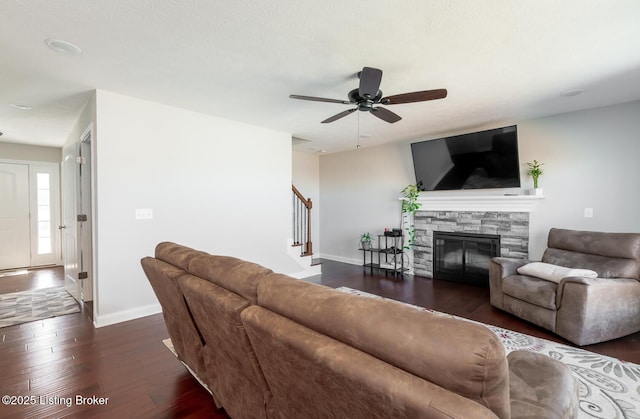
[[30, 279]]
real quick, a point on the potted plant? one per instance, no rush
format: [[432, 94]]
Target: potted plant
[[410, 205], [365, 241], [535, 171]]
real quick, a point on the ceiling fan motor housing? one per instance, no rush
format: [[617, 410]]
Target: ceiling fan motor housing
[[364, 105]]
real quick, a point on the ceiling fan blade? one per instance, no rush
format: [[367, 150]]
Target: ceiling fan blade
[[370, 79], [339, 115], [385, 115], [319, 99], [414, 97]]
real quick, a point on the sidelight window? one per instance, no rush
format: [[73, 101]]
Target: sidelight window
[[43, 197]]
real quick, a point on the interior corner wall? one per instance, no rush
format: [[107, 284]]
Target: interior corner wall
[[306, 178], [212, 184], [590, 161], [360, 191]]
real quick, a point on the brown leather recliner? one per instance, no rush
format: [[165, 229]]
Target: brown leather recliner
[[583, 310]]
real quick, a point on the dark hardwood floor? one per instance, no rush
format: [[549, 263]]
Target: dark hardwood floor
[[66, 357], [16, 280]]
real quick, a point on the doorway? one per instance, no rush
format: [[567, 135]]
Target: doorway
[[77, 216], [29, 212]]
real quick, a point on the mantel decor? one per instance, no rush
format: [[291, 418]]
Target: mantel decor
[[535, 171]]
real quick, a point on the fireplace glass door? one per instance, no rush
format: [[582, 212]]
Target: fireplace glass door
[[464, 257]]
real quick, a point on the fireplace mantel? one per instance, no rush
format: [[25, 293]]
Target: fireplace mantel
[[508, 203]]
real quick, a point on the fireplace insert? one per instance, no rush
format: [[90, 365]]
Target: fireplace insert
[[464, 257]]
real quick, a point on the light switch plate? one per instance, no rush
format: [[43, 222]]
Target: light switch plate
[[144, 213], [588, 212]]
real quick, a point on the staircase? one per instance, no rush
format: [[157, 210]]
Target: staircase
[[301, 246]]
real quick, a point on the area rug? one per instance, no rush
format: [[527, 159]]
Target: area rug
[[38, 304], [609, 387]]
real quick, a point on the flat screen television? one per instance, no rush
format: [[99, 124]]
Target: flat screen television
[[478, 160]]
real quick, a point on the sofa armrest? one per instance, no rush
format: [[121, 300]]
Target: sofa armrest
[[508, 266], [500, 268], [541, 387], [593, 310]]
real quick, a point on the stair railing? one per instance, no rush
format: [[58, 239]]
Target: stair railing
[[302, 222]]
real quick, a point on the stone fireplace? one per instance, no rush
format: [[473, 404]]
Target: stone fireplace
[[504, 216]]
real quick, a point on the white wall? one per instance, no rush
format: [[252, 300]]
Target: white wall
[[13, 151], [359, 190], [306, 177], [213, 184], [591, 160]]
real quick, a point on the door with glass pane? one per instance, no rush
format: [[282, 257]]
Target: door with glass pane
[[29, 214]]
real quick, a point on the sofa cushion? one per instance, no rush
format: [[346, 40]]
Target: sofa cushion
[[232, 370], [230, 273], [614, 245], [536, 381], [312, 375], [466, 358], [606, 267], [184, 334], [533, 290], [176, 254], [612, 255], [552, 272]]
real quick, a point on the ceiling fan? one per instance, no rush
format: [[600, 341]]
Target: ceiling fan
[[367, 97]]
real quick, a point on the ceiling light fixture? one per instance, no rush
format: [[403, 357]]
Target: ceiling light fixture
[[62, 46], [573, 92], [21, 107]]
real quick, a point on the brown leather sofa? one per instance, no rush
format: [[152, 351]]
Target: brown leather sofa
[[270, 346], [583, 310]]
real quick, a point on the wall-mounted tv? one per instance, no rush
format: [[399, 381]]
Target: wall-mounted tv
[[478, 160]]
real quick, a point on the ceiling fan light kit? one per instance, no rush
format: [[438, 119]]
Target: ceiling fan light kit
[[368, 96]]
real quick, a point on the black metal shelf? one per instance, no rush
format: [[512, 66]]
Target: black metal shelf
[[389, 255]]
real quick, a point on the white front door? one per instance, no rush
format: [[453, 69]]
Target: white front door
[[14, 216]]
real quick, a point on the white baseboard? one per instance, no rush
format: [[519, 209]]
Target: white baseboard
[[126, 315], [343, 259]]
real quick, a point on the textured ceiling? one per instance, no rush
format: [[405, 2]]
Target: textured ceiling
[[501, 61]]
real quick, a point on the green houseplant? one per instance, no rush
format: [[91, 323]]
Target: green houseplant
[[535, 171], [365, 241], [410, 205]]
